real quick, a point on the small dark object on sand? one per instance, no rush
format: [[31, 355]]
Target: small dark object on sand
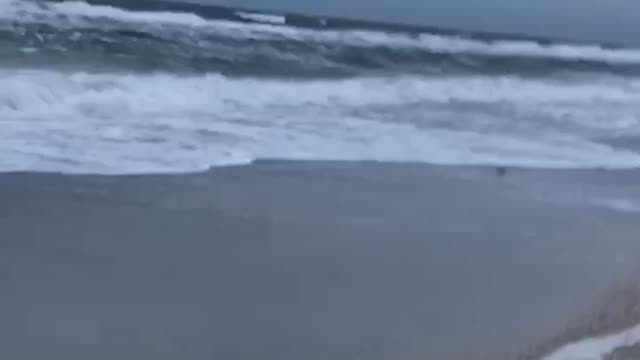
[[501, 171]]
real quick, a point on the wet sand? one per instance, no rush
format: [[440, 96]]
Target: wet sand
[[296, 260]]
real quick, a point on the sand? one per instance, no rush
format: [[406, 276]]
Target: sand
[[312, 260]]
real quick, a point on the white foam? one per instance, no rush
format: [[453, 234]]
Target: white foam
[[597, 348], [113, 123], [264, 18], [620, 205], [78, 12], [71, 12]]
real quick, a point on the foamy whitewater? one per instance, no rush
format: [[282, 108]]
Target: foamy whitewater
[[597, 348], [101, 89]]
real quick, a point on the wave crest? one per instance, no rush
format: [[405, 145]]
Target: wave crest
[[152, 40]]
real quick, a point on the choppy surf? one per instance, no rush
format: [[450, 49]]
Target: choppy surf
[[80, 34], [103, 89]]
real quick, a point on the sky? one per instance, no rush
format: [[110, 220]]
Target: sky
[[615, 21]]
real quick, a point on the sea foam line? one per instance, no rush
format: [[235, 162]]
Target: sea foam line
[[597, 348]]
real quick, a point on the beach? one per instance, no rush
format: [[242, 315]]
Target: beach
[[309, 260], [192, 181]]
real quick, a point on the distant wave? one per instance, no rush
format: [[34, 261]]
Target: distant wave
[[263, 18], [77, 32]]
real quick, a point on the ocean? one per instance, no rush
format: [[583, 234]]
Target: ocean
[[102, 89], [181, 181]]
